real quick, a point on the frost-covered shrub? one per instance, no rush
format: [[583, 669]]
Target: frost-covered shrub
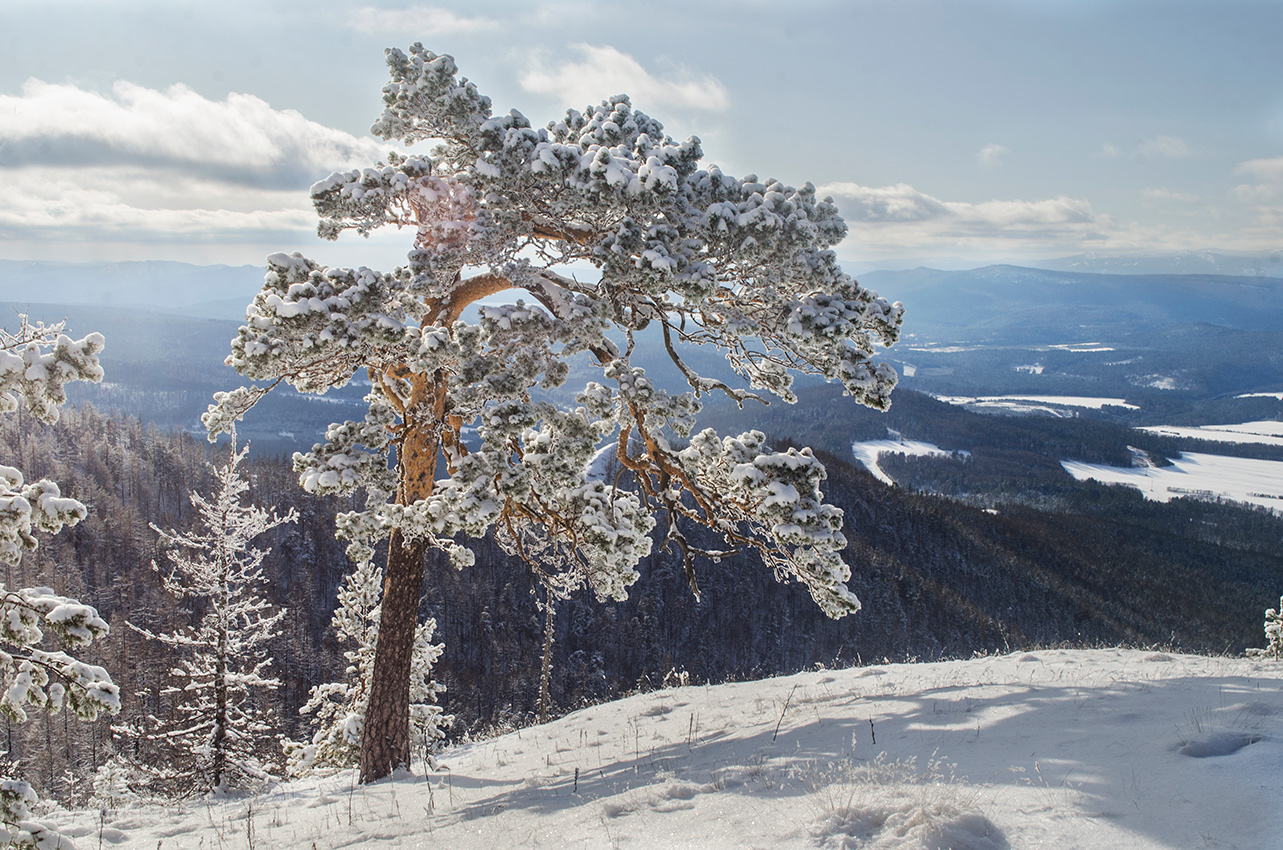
[[113, 785], [1273, 634]]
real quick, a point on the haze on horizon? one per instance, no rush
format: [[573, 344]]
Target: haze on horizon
[[1012, 130]]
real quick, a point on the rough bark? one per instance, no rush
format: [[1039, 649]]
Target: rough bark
[[385, 741], [385, 745]]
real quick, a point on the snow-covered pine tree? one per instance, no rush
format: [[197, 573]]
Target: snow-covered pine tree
[[35, 364], [220, 733], [339, 707], [1273, 634], [687, 253]]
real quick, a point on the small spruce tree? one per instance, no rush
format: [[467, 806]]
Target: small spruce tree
[[1273, 634], [339, 707], [219, 734]]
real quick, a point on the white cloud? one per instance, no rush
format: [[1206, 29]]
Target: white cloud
[[992, 154], [239, 139], [901, 204], [898, 217], [1267, 192], [899, 220], [425, 20], [605, 71], [1164, 146], [1268, 170], [1161, 195], [139, 203], [139, 163]]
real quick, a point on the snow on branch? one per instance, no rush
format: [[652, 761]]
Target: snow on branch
[[681, 249]]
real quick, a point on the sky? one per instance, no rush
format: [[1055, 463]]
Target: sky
[[986, 130]]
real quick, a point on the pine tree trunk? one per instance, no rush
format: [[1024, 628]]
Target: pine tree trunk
[[385, 744], [385, 741]]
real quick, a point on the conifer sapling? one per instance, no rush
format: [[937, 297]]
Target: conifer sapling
[[221, 733]]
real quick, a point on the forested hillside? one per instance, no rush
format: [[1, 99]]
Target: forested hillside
[[937, 578]]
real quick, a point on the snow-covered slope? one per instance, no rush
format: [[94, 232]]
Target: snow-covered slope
[[1063, 749], [1239, 479]]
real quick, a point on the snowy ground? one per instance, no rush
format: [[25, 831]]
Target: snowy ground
[[868, 452], [1257, 482], [1267, 432], [1051, 749], [1045, 405]]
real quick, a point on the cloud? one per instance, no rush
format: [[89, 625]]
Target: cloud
[[903, 204], [991, 155], [1160, 195], [428, 20], [240, 139], [1164, 146], [1267, 170], [131, 202], [899, 217], [604, 71], [139, 163], [900, 220], [1268, 187]]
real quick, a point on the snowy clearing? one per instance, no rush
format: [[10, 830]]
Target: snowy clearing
[[1049, 405], [869, 451], [1081, 347], [1053, 748], [1258, 482], [1267, 432], [1279, 396]]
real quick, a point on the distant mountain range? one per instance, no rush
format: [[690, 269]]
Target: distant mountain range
[[1186, 262], [974, 332], [935, 289], [1012, 305], [211, 292]]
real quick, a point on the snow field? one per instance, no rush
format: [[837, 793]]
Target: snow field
[[868, 452], [1267, 432], [1046, 405], [1257, 482], [1054, 748]]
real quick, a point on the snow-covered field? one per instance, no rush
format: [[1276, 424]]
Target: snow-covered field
[[1258, 482], [1054, 749], [1267, 432], [1046, 405], [868, 452]]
